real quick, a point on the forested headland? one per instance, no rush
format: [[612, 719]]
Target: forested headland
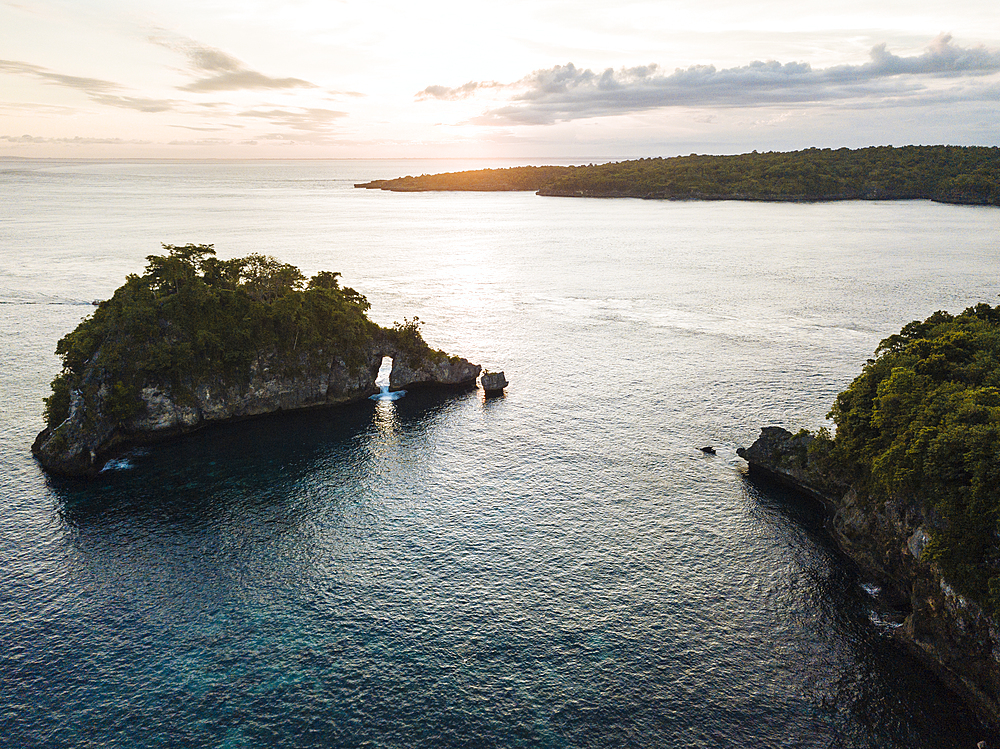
[[947, 174], [513, 179], [198, 340], [193, 313], [912, 482]]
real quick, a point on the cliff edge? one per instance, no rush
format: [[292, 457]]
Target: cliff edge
[[912, 480], [888, 540]]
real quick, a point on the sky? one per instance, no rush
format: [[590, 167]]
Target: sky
[[537, 79]]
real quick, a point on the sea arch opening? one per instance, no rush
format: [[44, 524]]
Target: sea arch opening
[[384, 372], [382, 380]]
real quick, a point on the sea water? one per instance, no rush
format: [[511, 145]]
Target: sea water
[[560, 566]]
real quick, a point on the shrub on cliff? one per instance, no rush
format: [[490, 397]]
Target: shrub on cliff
[[922, 423], [191, 313]]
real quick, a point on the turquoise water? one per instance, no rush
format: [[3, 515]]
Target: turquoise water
[[558, 567]]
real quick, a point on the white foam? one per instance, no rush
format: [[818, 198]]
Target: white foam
[[117, 464], [385, 395], [871, 589]]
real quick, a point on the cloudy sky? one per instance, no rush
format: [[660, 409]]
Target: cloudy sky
[[534, 79]]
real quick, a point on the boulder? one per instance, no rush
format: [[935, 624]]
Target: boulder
[[493, 382]]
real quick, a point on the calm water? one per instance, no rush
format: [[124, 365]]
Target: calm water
[[560, 567]]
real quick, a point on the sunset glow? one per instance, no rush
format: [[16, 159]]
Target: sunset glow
[[307, 79]]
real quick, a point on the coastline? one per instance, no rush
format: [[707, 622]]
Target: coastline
[[946, 631], [962, 175], [89, 437]]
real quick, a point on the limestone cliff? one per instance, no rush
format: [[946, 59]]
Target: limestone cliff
[[81, 444], [887, 539]]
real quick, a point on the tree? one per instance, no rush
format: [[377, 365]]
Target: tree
[[181, 264]]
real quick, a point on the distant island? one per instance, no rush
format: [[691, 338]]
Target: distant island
[[197, 340], [912, 480], [946, 174]]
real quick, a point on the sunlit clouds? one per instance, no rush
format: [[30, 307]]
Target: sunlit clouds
[[98, 91], [565, 92], [587, 80]]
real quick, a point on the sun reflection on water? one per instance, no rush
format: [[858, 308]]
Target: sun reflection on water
[[386, 421]]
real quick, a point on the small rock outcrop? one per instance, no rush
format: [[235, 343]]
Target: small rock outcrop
[[886, 540], [493, 382], [792, 460]]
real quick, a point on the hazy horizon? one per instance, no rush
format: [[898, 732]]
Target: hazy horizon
[[500, 161]]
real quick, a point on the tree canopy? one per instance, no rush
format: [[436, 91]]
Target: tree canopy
[[192, 313], [480, 180]]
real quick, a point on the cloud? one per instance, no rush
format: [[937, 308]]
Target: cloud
[[211, 59], [225, 72], [70, 81], [35, 139], [205, 129], [310, 120], [285, 139], [20, 107], [236, 80], [940, 58], [135, 102], [203, 142], [565, 92], [460, 92], [97, 90]]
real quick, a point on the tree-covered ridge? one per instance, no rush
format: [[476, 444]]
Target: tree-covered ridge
[[191, 313], [953, 174], [947, 173], [922, 421], [519, 178]]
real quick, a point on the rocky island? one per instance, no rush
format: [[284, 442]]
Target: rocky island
[[197, 340], [912, 484], [946, 174]]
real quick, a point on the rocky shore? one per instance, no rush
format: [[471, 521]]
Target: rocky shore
[[91, 434], [949, 632]]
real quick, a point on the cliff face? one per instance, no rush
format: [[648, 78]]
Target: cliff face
[[887, 540], [82, 443], [436, 370]]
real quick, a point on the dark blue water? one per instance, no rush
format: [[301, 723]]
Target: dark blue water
[[557, 567]]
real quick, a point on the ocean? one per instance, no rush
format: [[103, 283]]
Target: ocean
[[557, 567]]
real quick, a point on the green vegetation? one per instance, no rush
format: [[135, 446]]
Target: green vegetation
[[922, 424], [951, 174], [193, 315], [531, 178]]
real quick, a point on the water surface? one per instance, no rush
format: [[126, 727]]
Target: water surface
[[558, 567]]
